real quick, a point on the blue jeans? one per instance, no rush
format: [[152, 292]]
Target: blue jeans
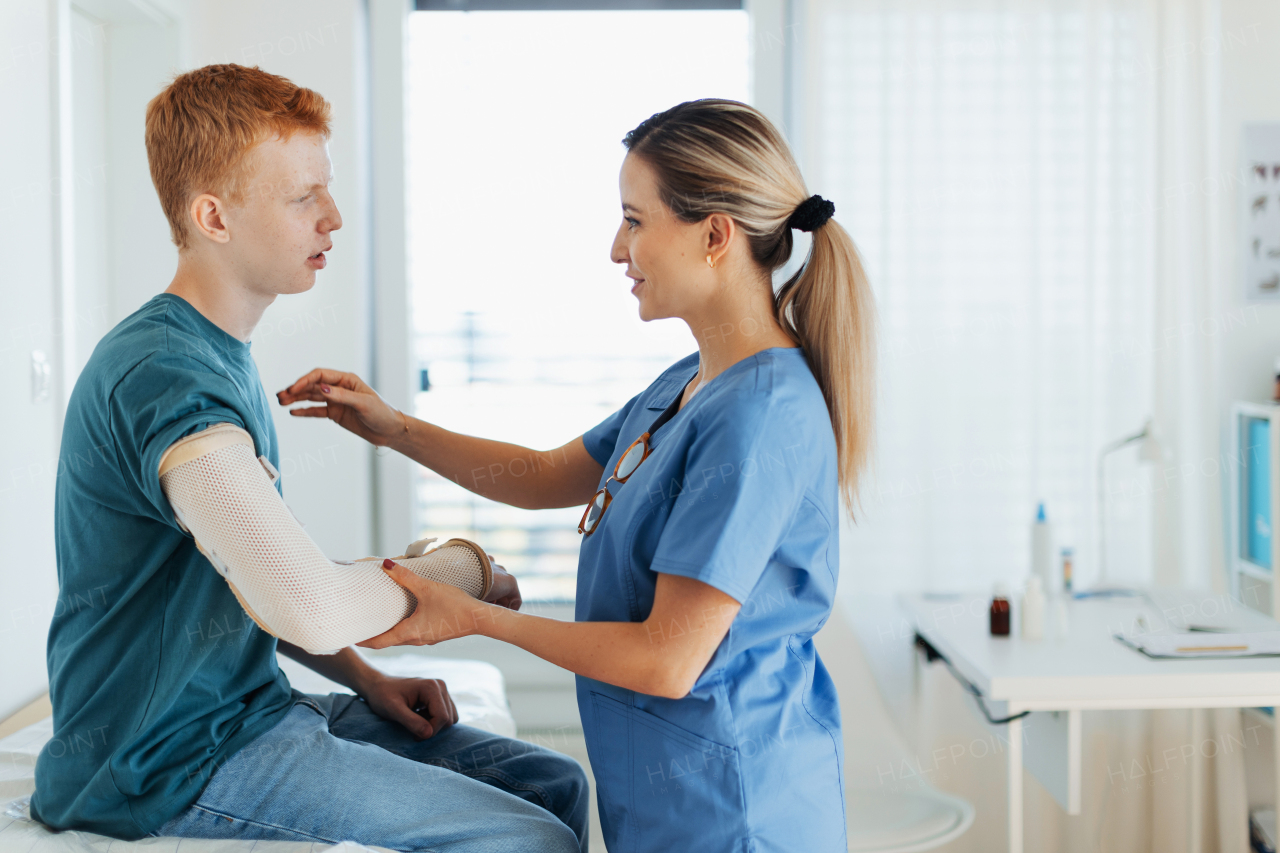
[[332, 770]]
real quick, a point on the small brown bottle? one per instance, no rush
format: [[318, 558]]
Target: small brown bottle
[[1000, 612]]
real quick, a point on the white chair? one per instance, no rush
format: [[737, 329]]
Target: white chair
[[890, 808]]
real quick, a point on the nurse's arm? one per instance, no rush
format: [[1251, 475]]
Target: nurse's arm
[[509, 473], [661, 656]]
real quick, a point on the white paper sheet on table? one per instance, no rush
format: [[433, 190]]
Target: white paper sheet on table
[[1204, 644]]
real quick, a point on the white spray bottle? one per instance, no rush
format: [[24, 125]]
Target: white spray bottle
[[1042, 552]]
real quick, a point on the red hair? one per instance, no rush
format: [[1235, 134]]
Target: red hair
[[202, 125]]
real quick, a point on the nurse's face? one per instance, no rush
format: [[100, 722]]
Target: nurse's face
[[665, 257]]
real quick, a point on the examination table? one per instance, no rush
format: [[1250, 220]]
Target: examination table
[[476, 687]]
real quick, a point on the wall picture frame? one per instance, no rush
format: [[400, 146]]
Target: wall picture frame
[[1260, 217]]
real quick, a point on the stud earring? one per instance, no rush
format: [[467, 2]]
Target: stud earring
[[710, 262]]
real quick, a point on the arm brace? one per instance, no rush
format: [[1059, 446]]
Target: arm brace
[[224, 497]]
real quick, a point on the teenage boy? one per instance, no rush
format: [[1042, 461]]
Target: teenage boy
[[192, 729]]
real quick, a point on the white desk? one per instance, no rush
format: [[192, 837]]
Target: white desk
[[1089, 670]]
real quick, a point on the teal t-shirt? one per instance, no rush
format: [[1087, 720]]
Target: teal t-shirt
[[156, 674]]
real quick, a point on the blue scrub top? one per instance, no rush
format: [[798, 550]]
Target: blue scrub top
[[741, 493]]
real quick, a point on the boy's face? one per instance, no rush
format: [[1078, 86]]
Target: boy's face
[[280, 231]]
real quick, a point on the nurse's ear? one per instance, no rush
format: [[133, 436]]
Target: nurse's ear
[[721, 230]]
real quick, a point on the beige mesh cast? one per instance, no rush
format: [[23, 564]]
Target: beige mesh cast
[[223, 495]]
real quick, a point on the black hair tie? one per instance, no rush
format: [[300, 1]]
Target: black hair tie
[[811, 214]]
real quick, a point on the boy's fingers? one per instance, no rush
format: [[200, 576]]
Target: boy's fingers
[[400, 708], [419, 727], [453, 707], [440, 715]]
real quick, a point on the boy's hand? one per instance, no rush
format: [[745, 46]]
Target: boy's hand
[[349, 403], [421, 705], [505, 592]]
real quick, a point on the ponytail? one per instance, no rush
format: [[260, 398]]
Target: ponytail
[[828, 309], [718, 156]]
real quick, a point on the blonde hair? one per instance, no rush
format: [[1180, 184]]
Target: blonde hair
[[201, 126], [718, 156]]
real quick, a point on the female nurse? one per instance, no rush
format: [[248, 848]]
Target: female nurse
[[710, 550]]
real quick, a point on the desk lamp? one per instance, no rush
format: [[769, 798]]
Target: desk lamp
[[1148, 451]]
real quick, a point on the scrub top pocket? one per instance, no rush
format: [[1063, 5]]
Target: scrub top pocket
[[661, 787]]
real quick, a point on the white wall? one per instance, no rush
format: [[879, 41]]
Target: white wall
[[58, 153], [768, 57], [320, 45], [142, 55], [328, 475], [1250, 93], [28, 451]]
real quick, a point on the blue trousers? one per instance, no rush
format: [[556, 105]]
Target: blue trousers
[[332, 770]]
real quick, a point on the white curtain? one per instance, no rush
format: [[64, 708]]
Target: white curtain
[[1183, 92], [993, 161], [1031, 187]]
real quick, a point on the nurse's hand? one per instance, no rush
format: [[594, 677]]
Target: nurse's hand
[[444, 612], [348, 401]]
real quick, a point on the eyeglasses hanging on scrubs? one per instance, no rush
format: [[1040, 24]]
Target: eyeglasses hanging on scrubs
[[627, 465]]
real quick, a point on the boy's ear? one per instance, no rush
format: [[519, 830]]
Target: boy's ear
[[208, 218]]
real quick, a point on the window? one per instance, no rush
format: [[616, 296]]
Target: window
[[525, 330]]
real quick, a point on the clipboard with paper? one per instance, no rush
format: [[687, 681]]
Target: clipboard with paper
[[1196, 645]]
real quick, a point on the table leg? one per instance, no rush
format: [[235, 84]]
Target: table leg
[[1195, 820], [1015, 786], [1075, 761], [1275, 741]]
